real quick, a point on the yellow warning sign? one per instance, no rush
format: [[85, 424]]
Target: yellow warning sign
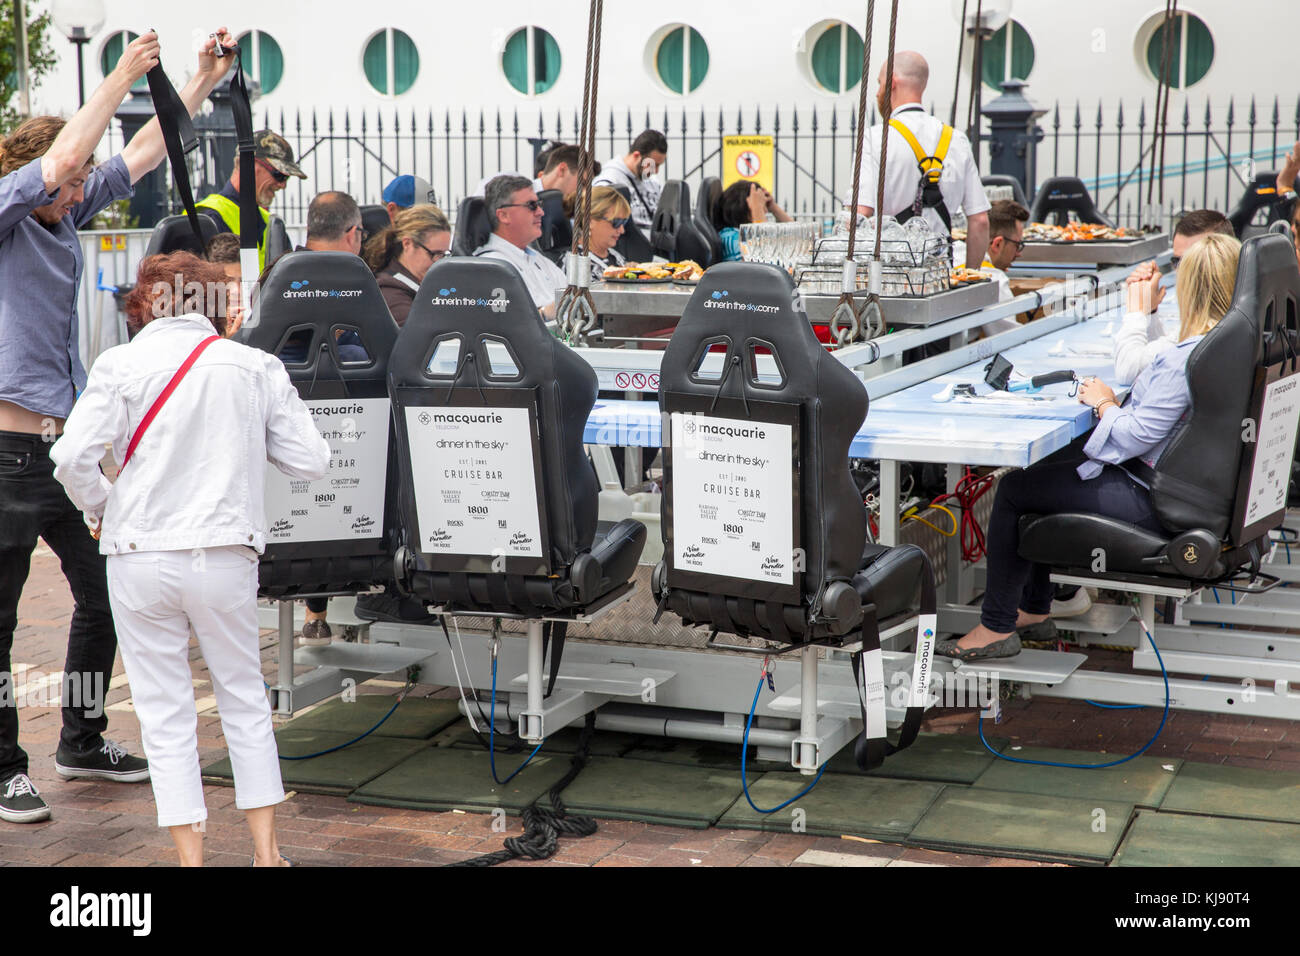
[[112, 241], [749, 157]]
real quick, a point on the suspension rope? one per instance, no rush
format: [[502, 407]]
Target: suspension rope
[[888, 109], [975, 81], [1164, 115], [956, 83]]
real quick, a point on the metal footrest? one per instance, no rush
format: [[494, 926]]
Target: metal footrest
[[608, 679], [1030, 666], [362, 658]]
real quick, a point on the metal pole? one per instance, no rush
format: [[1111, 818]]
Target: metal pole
[[808, 710], [20, 57], [286, 653], [81, 73]]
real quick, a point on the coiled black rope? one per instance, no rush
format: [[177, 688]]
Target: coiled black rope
[[543, 826]]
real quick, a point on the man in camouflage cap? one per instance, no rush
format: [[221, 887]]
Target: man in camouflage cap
[[273, 159]]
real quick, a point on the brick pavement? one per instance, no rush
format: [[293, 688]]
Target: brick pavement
[[106, 824]]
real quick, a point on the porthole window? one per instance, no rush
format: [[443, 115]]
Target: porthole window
[[1007, 55], [834, 57], [531, 60], [112, 51], [681, 58], [391, 62], [1191, 49], [262, 58]]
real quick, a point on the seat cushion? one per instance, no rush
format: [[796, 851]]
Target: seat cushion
[[890, 579], [615, 551], [1091, 541]]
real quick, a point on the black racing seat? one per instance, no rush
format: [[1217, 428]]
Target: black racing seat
[[1260, 195], [1001, 179], [673, 233], [174, 234], [473, 227], [775, 389], [277, 239], [1200, 485], [633, 245], [1062, 195], [323, 314], [374, 219], [706, 214], [509, 529], [557, 231]]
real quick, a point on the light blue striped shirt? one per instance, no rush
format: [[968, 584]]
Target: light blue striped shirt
[[1157, 402]]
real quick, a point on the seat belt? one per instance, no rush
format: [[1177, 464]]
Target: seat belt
[[250, 219], [928, 194], [869, 677], [180, 140]]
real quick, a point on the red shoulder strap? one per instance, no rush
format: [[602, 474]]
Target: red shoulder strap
[[158, 402]]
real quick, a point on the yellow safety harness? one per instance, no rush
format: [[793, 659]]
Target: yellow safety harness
[[928, 194]]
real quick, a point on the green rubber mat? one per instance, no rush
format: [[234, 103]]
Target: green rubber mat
[[337, 773], [416, 717], [1142, 782], [1219, 790], [604, 743], [942, 758], [448, 778], [1176, 839], [839, 804], [643, 790], [975, 820], [698, 753]]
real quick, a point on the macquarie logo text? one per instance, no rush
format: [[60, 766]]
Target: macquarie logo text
[[77, 909]]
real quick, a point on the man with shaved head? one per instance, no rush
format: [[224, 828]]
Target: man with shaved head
[[930, 170]]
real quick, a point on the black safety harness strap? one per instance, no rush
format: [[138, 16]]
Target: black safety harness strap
[[869, 676], [180, 140], [250, 218]]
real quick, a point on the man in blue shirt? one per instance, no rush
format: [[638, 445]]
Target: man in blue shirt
[[50, 187]]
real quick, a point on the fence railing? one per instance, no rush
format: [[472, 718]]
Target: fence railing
[[1212, 149]]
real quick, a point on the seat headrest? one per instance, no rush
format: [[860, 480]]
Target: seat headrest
[[473, 227], [471, 297], [277, 239], [1064, 194], [174, 234], [374, 219], [999, 179], [1268, 293], [321, 290]]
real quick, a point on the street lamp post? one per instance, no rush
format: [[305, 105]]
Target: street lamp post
[[79, 20]]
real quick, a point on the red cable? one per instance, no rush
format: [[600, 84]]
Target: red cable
[[967, 493]]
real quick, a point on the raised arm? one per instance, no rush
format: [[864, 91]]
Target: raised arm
[[72, 148], [146, 149]]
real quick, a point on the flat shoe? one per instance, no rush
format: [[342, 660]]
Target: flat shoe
[[1007, 647], [1042, 631], [252, 860]]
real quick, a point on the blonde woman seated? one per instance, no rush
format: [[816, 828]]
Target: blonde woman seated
[[610, 213], [400, 254], [182, 528], [1018, 593]]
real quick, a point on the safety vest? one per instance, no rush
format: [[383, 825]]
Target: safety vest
[[228, 210], [928, 194]]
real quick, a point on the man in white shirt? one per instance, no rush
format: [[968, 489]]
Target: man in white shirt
[[1007, 220], [513, 208], [1141, 336], [959, 182], [635, 172]]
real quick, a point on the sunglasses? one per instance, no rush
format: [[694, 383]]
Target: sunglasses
[[1018, 243], [278, 176], [616, 223], [365, 233], [532, 205], [435, 256]]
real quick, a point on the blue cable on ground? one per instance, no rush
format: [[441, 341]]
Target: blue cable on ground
[[744, 751], [492, 732], [322, 753], [1094, 766]]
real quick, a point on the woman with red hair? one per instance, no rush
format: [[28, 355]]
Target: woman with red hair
[[192, 418]]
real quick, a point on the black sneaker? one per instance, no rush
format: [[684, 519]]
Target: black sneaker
[[20, 801], [109, 762], [316, 634], [392, 608]]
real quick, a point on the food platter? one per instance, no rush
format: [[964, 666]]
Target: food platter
[[643, 272]]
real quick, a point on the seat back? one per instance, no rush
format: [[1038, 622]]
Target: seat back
[[490, 411], [473, 227], [1261, 194], [557, 231], [335, 535], [277, 239], [374, 219], [174, 234], [633, 245], [1203, 478], [706, 211], [999, 179], [673, 233], [757, 461], [1062, 195]]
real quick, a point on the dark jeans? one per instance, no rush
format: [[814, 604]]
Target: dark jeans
[[33, 504], [318, 605], [1047, 488]]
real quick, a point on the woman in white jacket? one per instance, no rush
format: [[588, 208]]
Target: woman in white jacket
[[182, 527]]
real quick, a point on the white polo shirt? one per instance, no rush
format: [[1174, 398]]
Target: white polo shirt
[[959, 182], [545, 280]]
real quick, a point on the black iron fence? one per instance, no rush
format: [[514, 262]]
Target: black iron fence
[[1212, 149]]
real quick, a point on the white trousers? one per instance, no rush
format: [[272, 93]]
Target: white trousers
[[157, 596]]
